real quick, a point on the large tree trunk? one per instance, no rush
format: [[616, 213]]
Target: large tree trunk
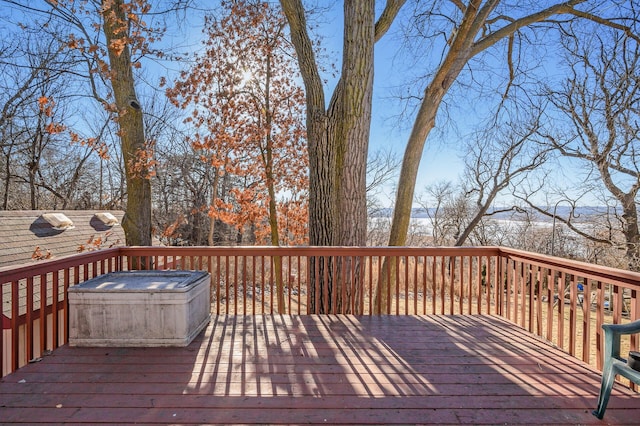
[[631, 231], [212, 219], [349, 135], [338, 140], [7, 180], [424, 123], [137, 220], [322, 200], [350, 132]]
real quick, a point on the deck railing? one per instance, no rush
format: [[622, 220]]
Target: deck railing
[[562, 301]]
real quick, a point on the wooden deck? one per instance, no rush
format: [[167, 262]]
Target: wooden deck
[[320, 370]]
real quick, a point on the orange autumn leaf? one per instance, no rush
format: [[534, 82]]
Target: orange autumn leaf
[[54, 128], [118, 46], [42, 101], [39, 255], [94, 242], [171, 231]]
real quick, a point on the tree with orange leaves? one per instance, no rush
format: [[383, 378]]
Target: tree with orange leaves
[[110, 38], [249, 110]]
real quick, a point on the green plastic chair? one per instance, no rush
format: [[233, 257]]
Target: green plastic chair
[[613, 363]]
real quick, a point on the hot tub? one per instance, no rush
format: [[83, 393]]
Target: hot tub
[[139, 308]]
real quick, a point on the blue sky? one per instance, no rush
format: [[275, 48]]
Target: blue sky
[[441, 157], [439, 160]]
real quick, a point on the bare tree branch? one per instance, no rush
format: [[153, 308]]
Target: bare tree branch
[[387, 17]]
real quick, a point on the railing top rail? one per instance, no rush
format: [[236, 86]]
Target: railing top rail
[[587, 270], [14, 273], [583, 269], [310, 251]]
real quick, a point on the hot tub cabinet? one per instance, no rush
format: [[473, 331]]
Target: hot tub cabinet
[[139, 308]]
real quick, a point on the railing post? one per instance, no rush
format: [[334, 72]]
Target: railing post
[[3, 350], [15, 328], [28, 330], [634, 312], [586, 320], [572, 314]]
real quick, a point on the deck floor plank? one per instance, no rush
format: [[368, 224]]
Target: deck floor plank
[[320, 370]]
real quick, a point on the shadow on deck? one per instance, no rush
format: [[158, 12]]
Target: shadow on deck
[[333, 369]]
